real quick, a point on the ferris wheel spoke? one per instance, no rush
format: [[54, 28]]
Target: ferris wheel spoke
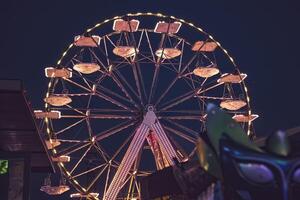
[[157, 66], [106, 51], [186, 129], [80, 159], [178, 100], [109, 116], [136, 64], [73, 116], [149, 45], [96, 178], [121, 77], [116, 129], [166, 91], [99, 60], [99, 149], [121, 86], [68, 127], [188, 64], [73, 148], [113, 101], [214, 98], [180, 134], [123, 144], [137, 82], [88, 171], [193, 152], [172, 112], [184, 117], [202, 90], [103, 89]]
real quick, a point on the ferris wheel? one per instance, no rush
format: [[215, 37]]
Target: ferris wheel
[[129, 97]]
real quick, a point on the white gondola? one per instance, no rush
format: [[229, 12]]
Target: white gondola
[[204, 46], [128, 26], [125, 51], [39, 114], [62, 159], [233, 104], [232, 78], [164, 27], [56, 100], [168, 53], [55, 190], [86, 68], [82, 41], [244, 118], [51, 72], [79, 195], [206, 72]]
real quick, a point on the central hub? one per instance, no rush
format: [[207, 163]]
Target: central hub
[[150, 108], [149, 117]]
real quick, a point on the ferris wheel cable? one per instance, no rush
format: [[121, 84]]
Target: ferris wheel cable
[[180, 134], [104, 134], [180, 59], [174, 81], [73, 116], [96, 178], [180, 111], [170, 66], [137, 81], [80, 159], [124, 90], [178, 100], [188, 130], [87, 171], [115, 94], [113, 101], [72, 149], [98, 59], [140, 40], [184, 117], [89, 127], [192, 152], [201, 90], [107, 178], [106, 52], [68, 127], [126, 83], [214, 98], [123, 145], [103, 154], [157, 65], [109, 116], [149, 44]]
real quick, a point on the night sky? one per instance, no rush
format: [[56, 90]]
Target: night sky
[[262, 36]]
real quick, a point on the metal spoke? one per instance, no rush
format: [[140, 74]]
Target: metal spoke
[[116, 129], [68, 127], [81, 158], [73, 148], [88, 171], [188, 130], [96, 178], [180, 134], [183, 117], [105, 97]]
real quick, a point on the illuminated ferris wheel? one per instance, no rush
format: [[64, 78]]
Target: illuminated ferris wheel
[[129, 97]]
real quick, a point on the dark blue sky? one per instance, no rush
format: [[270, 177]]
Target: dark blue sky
[[262, 36]]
